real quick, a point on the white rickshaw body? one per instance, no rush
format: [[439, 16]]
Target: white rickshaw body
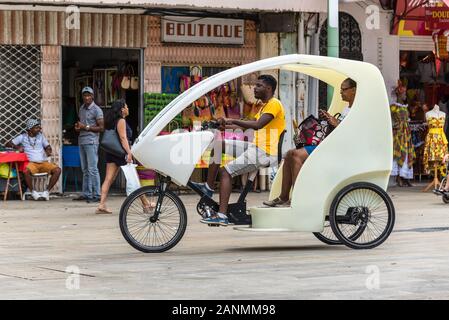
[[358, 150]]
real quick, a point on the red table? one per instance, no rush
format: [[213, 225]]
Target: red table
[[17, 160]]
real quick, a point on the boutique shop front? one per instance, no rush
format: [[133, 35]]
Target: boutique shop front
[[424, 73], [182, 52]]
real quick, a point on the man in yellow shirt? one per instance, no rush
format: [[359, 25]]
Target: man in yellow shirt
[[261, 152]]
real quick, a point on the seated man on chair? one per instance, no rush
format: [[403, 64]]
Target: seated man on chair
[[268, 126], [295, 158], [37, 149]]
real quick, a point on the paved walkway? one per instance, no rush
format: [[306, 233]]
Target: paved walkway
[[40, 240]]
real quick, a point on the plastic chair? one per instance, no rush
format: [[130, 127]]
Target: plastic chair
[[70, 160]]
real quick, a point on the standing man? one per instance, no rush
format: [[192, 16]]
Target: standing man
[[37, 149], [89, 126]]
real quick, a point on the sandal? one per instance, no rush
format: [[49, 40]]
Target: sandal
[[408, 184], [278, 202], [102, 211]]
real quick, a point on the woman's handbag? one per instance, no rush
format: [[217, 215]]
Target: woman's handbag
[[111, 143], [311, 132]]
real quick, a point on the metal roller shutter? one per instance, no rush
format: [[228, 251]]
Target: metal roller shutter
[[416, 43]]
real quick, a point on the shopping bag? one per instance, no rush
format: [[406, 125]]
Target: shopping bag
[[132, 178]]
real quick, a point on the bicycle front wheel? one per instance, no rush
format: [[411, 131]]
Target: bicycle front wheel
[[147, 231]]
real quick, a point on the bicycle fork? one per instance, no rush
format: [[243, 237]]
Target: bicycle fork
[[162, 188]]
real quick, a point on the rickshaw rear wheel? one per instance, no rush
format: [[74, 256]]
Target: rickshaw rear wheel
[[146, 232], [362, 215]]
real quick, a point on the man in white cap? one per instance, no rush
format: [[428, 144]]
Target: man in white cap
[[37, 149], [89, 126]]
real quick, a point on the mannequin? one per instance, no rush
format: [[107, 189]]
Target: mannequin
[[403, 150], [435, 113], [436, 143]]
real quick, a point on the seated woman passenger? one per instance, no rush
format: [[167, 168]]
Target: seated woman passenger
[[295, 158]]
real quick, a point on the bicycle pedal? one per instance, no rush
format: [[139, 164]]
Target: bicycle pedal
[[213, 225]]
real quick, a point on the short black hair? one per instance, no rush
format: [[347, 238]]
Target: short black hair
[[351, 82], [270, 80]]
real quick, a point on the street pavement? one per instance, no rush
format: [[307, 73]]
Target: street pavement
[[43, 243]]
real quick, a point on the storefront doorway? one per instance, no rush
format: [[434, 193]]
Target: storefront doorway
[[103, 70]]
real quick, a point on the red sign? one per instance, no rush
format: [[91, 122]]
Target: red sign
[[410, 17], [437, 18]]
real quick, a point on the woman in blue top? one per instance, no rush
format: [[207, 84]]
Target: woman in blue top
[[115, 119]]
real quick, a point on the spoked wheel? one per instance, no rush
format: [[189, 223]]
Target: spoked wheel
[[328, 236], [147, 230], [362, 216]]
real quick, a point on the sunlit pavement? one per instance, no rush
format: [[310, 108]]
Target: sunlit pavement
[[43, 243]]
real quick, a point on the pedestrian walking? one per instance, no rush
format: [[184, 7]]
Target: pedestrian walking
[[115, 120]]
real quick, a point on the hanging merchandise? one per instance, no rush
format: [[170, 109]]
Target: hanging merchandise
[[184, 83], [126, 82], [99, 87], [229, 99], [187, 116], [134, 82], [196, 74], [441, 46], [116, 84], [249, 101], [130, 80], [222, 102]]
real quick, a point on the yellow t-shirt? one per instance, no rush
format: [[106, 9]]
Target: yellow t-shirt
[[267, 138]]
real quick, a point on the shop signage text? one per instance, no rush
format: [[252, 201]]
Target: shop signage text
[[203, 30], [437, 18]]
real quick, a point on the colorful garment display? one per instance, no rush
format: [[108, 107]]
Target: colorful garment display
[[403, 150], [436, 142], [419, 133]]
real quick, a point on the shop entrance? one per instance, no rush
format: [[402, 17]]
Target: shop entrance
[[102, 69]]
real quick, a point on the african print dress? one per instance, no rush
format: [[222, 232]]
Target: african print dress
[[403, 150], [436, 143]]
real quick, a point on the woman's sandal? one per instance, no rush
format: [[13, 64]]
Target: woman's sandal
[[102, 211], [408, 184], [399, 182]]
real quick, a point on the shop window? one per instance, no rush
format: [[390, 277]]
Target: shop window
[[220, 102], [20, 88]]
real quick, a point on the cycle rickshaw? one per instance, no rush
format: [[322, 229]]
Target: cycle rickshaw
[[339, 194]]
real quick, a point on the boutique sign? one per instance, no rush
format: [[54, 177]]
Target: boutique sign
[[203, 30]]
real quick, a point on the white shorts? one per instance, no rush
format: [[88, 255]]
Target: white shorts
[[248, 157]]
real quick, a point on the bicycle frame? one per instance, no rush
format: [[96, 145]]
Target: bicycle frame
[[236, 211]]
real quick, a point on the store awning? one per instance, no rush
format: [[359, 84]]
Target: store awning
[[248, 5], [420, 17]]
